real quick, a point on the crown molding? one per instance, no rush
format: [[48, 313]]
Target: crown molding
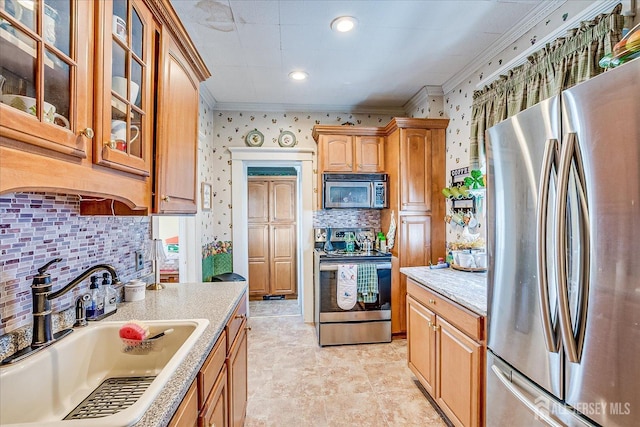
[[306, 108], [590, 12], [537, 14], [207, 96], [421, 98]]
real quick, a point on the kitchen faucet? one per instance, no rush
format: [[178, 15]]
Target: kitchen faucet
[[42, 296]]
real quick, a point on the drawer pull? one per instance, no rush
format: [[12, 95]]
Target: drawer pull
[[240, 316], [247, 328]]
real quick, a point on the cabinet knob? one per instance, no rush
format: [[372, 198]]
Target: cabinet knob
[[240, 316], [212, 424], [432, 301], [436, 328], [166, 199], [247, 328], [111, 144], [429, 323], [349, 166], [88, 132]]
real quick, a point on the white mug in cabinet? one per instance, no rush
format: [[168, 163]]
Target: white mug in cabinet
[[119, 85], [119, 133], [28, 105]]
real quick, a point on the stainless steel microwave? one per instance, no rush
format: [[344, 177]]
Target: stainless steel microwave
[[354, 190]]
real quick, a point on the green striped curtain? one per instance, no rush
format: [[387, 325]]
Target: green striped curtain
[[559, 65]]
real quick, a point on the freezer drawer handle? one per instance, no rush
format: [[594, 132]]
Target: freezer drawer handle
[[549, 160], [334, 267], [522, 398]]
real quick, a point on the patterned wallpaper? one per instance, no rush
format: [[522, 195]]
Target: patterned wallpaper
[[206, 153], [458, 101], [37, 227], [230, 129]]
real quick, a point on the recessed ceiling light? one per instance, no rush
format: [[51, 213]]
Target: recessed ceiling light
[[343, 24], [298, 75]]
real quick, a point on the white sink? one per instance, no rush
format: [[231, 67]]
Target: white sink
[[44, 388]]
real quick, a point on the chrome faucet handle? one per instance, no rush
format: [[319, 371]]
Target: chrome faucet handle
[[81, 311]]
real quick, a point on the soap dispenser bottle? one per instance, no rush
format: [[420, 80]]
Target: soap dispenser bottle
[[110, 298], [96, 307]]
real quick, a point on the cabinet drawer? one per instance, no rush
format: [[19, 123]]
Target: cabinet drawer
[[210, 369], [215, 412], [187, 413], [234, 323], [467, 321]]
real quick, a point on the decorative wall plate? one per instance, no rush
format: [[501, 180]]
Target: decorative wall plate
[[255, 138], [287, 139]]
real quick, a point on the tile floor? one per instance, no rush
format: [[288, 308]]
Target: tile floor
[[293, 382]]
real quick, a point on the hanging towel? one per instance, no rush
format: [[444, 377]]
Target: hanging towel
[[347, 286], [367, 283]]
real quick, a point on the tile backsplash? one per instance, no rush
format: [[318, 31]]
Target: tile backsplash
[[37, 227], [345, 218]]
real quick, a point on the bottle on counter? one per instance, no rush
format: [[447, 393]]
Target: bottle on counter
[[95, 308], [383, 243], [110, 296]]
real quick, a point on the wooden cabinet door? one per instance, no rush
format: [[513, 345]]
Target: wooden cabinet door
[[258, 201], [187, 413], [216, 409], [283, 259], [125, 87], [460, 367], [283, 201], [46, 100], [337, 153], [415, 170], [369, 154], [259, 276], [415, 240], [177, 133], [237, 371], [421, 344]]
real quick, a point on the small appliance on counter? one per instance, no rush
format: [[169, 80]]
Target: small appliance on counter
[[368, 318]]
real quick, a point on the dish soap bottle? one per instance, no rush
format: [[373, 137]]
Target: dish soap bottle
[[96, 305], [383, 243], [110, 297]]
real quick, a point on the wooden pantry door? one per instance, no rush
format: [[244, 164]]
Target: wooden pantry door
[[272, 231]]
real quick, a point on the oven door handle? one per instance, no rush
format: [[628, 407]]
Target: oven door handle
[[334, 267]]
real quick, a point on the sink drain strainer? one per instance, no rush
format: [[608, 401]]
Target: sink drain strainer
[[112, 396]]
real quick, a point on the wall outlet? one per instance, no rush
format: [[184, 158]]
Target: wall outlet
[[139, 261]]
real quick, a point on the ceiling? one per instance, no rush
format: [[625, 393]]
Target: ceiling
[[398, 47]]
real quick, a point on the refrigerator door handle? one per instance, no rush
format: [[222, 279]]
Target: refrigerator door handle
[[549, 159], [535, 408], [568, 155]]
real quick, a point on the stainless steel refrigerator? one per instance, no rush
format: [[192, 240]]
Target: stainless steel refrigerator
[[564, 252]]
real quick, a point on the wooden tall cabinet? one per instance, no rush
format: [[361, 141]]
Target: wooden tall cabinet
[[415, 161], [272, 236]]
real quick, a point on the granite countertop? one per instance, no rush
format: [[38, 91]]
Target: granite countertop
[[467, 289], [212, 301]]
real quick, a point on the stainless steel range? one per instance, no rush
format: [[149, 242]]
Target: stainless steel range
[[369, 320]]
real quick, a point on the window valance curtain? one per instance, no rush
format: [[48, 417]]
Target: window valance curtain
[[559, 65]]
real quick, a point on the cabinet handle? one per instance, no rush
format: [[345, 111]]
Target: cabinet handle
[[247, 328], [111, 144], [432, 301], [240, 316], [88, 132], [212, 424], [166, 199], [436, 328], [430, 323]]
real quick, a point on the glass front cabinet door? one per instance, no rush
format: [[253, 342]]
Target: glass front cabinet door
[[44, 68], [123, 95]]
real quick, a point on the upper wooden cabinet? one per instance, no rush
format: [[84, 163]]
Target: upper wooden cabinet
[[124, 89], [176, 154], [122, 73], [349, 149], [45, 73], [369, 154]]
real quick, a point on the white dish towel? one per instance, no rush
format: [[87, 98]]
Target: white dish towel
[[347, 286]]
